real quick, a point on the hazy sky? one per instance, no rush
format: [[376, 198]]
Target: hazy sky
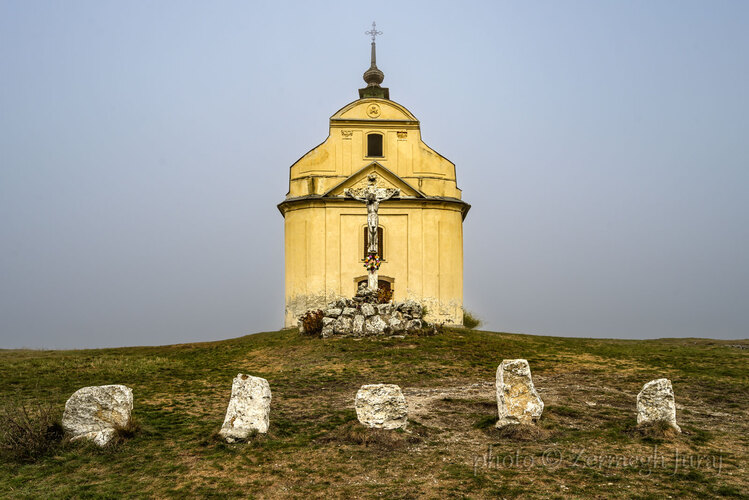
[[144, 146]]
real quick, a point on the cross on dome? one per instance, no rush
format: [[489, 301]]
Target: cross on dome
[[373, 32], [373, 76]]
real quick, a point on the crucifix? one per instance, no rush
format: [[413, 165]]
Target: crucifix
[[372, 196]]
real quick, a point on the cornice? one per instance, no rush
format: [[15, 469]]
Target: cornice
[[351, 122], [320, 200]]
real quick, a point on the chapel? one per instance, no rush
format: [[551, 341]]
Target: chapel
[[420, 233]]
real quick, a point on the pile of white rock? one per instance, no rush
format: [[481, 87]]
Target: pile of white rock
[[362, 316], [346, 317]]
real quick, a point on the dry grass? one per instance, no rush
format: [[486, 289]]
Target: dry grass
[[123, 434], [315, 447], [522, 433], [353, 433], [656, 430]]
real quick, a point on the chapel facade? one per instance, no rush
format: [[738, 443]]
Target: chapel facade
[[420, 233]]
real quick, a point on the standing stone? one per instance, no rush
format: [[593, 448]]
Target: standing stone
[[517, 399], [656, 403], [382, 406], [248, 410], [97, 412]]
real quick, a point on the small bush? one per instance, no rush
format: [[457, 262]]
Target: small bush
[[469, 320], [384, 295], [28, 431], [312, 323]]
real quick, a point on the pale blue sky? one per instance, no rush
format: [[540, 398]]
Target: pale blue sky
[[144, 146]]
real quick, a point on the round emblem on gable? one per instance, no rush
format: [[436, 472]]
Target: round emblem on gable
[[373, 110]]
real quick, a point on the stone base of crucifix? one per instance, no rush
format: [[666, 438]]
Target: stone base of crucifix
[[373, 280], [372, 263]]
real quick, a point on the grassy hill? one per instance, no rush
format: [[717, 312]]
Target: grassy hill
[[586, 446]]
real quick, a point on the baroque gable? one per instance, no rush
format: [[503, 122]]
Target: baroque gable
[[386, 179]]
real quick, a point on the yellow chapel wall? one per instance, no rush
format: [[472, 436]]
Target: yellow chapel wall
[[423, 255]]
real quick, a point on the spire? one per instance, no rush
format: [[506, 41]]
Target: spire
[[373, 76]]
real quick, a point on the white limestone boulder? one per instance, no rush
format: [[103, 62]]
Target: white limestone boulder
[[368, 310], [396, 325], [382, 406], [655, 402], [374, 325], [358, 325], [97, 412], [414, 324], [249, 408], [333, 312], [384, 309], [517, 399], [328, 329]]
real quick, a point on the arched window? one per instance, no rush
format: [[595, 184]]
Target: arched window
[[374, 145], [380, 240]]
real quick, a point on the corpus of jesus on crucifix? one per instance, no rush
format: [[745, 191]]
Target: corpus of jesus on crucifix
[[372, 196], [410, 238]]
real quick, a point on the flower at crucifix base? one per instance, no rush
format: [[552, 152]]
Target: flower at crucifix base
[[372, 262]]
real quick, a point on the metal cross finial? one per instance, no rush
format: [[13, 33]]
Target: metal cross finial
[[373, 32]]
